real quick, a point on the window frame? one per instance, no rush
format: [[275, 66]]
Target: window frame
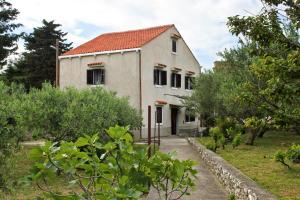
[[162, 115], [93, 76], [174, 45], [188, 82], [158, 75], [189, 118], [175, 83]]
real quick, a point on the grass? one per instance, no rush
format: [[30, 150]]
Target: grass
[[258, 163]]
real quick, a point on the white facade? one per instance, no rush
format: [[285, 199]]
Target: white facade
[[131, 73]]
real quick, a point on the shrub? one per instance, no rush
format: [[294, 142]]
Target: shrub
[[218, 138], [56, 114], [11, 131], [237, 140], [225, 124], [109, 169], [280, 156], [293, 153]]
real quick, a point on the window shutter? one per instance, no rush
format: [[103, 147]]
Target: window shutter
[[155, 77], [172, 80], [164, 77], [102, 72], [89, 77], [192, 82], [186, 82], [178, 82]]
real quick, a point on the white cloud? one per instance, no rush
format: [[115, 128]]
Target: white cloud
[[201, 22]]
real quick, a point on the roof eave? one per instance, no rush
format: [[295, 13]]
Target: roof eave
[[99, 53]]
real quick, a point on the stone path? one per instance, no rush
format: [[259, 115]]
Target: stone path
[[207, 187]]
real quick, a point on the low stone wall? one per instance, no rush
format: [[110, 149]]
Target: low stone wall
[[233, 180]]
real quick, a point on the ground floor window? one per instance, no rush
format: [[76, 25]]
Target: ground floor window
[[159, 115], [95, 76], [189, 116]]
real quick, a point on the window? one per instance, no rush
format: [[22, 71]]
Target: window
[[175, 80], [159, 115], [95, 76], [189, 81], [174, 45], [160, 77], [189, 117]]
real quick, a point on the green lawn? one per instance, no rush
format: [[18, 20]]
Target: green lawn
[[257, 162]]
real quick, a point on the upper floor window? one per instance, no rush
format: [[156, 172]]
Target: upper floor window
[[175, 80], [174, 45], [160, 77], [189, 81], [95, 76]]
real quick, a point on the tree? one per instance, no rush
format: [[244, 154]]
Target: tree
[[8, 38], [37, 64], [275, 32]]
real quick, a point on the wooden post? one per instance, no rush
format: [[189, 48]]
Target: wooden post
[[158, 133], [149, 131], [57, 64]]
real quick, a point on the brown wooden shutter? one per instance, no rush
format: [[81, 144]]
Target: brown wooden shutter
[[155, 77], [164, 77], [178, 82], [173, 80], [89, 77]]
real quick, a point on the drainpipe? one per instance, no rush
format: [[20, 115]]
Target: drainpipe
[[140, 86]]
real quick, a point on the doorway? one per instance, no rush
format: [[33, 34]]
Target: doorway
[[174, 112]]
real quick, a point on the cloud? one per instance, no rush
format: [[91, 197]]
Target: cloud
[[201, 22]]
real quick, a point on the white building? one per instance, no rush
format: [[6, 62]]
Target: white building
[[151, 66]]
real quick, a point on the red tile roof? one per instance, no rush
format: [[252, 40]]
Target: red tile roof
[[119, 40]]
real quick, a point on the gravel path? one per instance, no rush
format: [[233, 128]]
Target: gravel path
[[207, 187]]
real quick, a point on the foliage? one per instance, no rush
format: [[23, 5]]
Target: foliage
[[218, 138], [10, 130], [56, 114], [293, 153], [237, 140], [171, 177], [106, 169], [275, 33], [37, 64], [231, 196], [8, 38], [280, 156]]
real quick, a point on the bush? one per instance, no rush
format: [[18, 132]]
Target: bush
[[237, 140], [293, 153], [11, 131], [109, 169], [218, 138], [225, 124], [56, 114], [280, 156]]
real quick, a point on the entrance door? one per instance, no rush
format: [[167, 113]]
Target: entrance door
[[174, 112]]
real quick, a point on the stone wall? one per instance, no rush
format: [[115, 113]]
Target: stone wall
[[233, 180]]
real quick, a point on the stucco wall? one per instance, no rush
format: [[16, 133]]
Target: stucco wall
[[121, 73], [159, 50]]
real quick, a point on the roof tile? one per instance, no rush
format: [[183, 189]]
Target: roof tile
[[119, 40]]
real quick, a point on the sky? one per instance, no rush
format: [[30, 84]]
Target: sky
[[202, 23]]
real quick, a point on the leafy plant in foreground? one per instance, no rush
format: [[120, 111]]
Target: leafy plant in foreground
[[110, 169], [171, 177]]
